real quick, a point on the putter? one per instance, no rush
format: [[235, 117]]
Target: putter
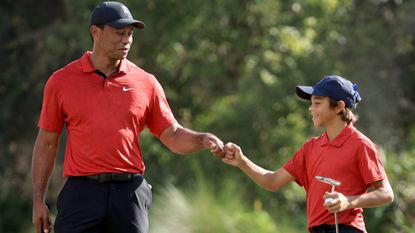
[[333, 184]]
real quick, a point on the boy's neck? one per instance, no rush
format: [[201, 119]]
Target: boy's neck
[[334, 129]]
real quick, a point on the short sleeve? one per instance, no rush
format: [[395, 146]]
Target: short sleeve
[[370, 165], [160, 116], [51, 115], [296, 166]]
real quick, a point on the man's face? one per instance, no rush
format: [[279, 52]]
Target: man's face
[[321, 112], [112, 42]]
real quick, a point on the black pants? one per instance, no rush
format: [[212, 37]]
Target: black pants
[[332, 229], [88, 206]]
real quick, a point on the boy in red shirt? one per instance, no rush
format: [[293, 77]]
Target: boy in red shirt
[[341, 153]]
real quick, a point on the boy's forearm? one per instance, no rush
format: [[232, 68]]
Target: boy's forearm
[[258, 174], [379, 196]]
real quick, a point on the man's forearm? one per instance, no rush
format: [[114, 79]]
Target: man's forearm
[[184, 141], [42, 165], [187, 141]]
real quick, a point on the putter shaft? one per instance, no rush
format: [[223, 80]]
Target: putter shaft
[[333, 184]]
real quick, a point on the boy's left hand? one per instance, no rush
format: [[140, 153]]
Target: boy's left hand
[[337, 203]]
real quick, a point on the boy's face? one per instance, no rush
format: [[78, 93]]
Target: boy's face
[[322, 114]]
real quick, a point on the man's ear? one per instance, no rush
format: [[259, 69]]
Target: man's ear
[[341, 106], [93, 30]]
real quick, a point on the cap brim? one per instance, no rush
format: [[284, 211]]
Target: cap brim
[[121, 23], [304, 92]]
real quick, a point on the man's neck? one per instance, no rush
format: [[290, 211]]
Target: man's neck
[[104, 64], [335, 128]]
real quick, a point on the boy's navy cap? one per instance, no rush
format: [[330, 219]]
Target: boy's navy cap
[[332, 86], [114, 14]]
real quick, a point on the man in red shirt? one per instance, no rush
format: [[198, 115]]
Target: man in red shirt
[[341, 153], [105, 101]]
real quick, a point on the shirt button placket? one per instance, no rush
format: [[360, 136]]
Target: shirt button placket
[[106, 84]]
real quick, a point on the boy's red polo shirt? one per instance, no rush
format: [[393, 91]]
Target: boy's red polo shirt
[[350, 158], [103, 117]]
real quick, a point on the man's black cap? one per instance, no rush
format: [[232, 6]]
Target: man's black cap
[[114, 14]]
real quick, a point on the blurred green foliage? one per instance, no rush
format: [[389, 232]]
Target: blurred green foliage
[[205, 210], [228, 67]]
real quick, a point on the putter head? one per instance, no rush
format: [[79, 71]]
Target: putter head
[[328, 180]]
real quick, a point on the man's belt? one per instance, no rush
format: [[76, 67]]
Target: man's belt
[[113, 177]]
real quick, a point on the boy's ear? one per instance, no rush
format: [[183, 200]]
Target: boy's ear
[[341, 106]]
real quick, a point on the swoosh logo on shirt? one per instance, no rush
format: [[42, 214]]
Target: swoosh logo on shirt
[[127, 89]]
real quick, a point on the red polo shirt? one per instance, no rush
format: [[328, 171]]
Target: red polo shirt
[[103, 117], [350, 158]]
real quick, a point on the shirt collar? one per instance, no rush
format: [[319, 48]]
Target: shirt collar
[[87, 66], [340, 139]]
